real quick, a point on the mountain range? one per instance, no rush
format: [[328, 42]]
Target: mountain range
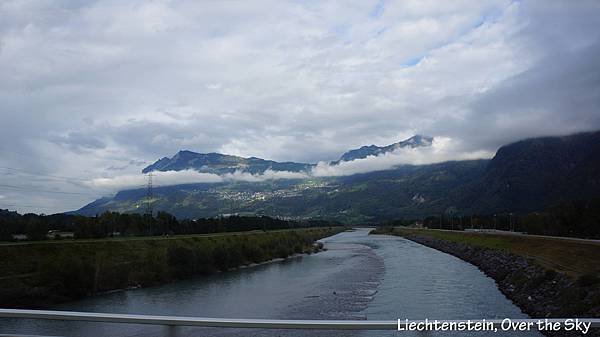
[[373, 150], [525, 176], [218, 163], [221, 163]]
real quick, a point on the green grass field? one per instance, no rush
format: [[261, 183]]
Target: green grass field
[[44, 272], [571, 257], [135, 238]]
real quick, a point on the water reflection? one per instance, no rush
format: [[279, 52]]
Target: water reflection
[[358, 277]]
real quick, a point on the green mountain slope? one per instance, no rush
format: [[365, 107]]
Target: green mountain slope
[[221, 163], [406, 191], [525, 176]]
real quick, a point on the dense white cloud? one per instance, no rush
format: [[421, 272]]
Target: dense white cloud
[[166, 178], [442, 149], [97, 88]]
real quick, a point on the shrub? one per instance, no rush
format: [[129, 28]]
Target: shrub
[[181, 261], [587, 280]]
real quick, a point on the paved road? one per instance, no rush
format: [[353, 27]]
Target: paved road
[[499, 232], [144, 238]]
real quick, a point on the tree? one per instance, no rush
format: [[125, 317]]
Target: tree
[[36, 228]]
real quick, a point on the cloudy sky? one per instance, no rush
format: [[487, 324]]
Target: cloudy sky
[[93, 90]]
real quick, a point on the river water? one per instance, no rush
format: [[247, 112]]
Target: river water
[[360, 276]]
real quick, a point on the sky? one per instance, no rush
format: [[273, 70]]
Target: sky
[[91, 92]]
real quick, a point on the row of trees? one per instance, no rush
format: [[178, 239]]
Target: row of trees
[[69, 270], [573, 218], [108, 224]]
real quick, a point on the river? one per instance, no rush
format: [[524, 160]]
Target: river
[[360, 276]]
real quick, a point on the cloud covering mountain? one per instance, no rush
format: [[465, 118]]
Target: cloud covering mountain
[[168, 178], [98, 89], [525, 176], [187, 167]]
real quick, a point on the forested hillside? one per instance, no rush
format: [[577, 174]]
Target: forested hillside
[[526, 176]]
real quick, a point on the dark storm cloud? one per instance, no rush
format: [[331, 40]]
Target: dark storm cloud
[[94, 89], [559, 95]]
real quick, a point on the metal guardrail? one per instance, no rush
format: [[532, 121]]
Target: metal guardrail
[[199, 321], [243, 323]]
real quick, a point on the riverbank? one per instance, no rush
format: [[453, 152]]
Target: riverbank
[[544, 277], [44, 273]]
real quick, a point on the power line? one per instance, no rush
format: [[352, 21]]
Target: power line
[[55, 177], [149, 210], [149, 195], [28, 189], [69, 179], [24, 155], [64, 178], [25, 206]]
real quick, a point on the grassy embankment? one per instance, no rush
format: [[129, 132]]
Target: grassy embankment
[[37, 274], [571, 257]]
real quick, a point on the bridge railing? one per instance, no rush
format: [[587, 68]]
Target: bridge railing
[[242, 323]]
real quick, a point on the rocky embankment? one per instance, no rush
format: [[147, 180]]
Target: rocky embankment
[[539, 292]]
